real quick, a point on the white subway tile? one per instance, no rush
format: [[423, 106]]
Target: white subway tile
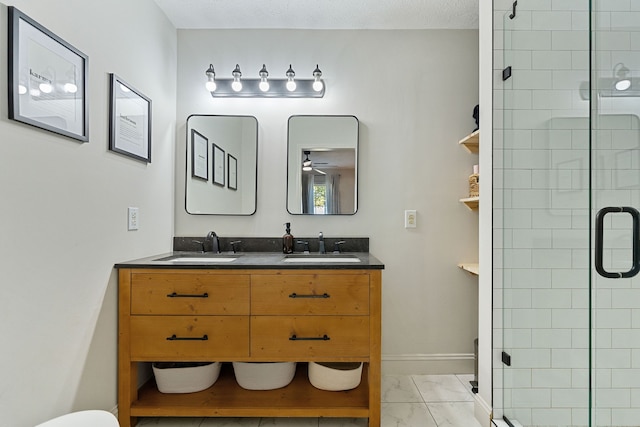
[[531, 40], [570, 398], [530, 318], [580, 21], [516, 218], [569, 40], [568, 80], [551, 298], [551, 338], [612, 398], [555, 20], [625, 21], [517, 258], [550, 99], [531, 398], [570, 358], [569, 5], [527, 238], [551, 417], [612, 358], [517, 378], [625, 338], [539, 199], [551, 218], [551, 258], [522, 358], [517, 178], [612, 318], [625, 298], [624, 417], [625, 378], [531, 159], [570, 239], [530, 278], [551, 378], [517, 298], [569, 318], [568, 278]]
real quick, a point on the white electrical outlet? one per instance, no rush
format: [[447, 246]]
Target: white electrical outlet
[[410, 219], [134, 219]]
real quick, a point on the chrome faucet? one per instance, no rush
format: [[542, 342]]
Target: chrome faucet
[[321, 248], [213, 242]]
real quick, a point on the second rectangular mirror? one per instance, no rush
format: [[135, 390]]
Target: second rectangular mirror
[[322, 165]]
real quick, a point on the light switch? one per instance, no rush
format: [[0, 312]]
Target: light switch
[[410, 219], [134, 219]]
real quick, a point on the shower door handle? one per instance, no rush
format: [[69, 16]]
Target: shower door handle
[[635, 216]]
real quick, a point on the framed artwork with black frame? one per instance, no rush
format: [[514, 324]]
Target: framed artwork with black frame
[[129, 121], [199, 155], [218, 165], [47, 79], [232, 172]]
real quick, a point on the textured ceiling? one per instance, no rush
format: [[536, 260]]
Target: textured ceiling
[[322, 14]]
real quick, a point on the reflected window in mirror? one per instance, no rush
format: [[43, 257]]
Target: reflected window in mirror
[[221, 173], [322, 165]]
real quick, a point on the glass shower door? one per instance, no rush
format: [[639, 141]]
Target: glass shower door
[[566, 193], [615, 310]]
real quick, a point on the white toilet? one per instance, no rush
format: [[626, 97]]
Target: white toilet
[[92, 418]]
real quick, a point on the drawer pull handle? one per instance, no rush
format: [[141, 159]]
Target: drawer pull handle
[[294, 295], [297, 338], [176, 338], [176, 295]]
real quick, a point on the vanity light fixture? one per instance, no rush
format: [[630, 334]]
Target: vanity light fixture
[[291, 83], [236, 85], [621, 77], [318, 85], [306, 163], [211, 79], [264, 86]]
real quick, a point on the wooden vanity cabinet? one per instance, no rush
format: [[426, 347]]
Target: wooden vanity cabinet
[[254, 316]]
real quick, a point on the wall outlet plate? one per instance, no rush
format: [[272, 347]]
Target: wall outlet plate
[[410, 218], [134, 219]]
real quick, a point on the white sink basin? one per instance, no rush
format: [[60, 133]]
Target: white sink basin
[[197, 259], [321, 259]]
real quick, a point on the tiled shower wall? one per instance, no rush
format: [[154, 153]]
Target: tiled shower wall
[[542, 213]]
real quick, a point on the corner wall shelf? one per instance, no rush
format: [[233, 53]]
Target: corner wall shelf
[[471, 142], [471, 202], [470, 267]]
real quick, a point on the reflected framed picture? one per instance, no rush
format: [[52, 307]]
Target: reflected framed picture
[[218, 165], [47, 79], [129, 121], [199, 156], [232, 174]]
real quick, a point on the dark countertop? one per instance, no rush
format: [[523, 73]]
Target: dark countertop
[[255, 261]]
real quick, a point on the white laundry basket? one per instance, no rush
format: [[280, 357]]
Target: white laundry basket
[[264, 376], [185, 377], [335, 376]]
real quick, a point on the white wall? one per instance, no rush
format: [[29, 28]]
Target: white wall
[[414, 93], [63, 213]]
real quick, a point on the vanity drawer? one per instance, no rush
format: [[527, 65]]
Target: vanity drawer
[[310, 294], [181, 338], [190, 294], [290, 337]]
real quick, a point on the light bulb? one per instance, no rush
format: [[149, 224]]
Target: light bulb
[[623, 84], [237, 84], [211, 85], [317, 83], [34, 92], [306, 168], [22, 89], [45, 87], [70, 88], [264, 84], [291, 84]]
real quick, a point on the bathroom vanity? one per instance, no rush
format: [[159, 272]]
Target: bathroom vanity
[[255, 308]]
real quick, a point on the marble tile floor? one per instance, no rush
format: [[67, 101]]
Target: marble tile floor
[[407, 401]]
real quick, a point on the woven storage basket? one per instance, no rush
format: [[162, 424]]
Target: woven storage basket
[[474, 185]]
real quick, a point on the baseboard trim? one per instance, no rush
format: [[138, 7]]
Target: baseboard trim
[[420, 363], [426, 357], [482, 411]]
